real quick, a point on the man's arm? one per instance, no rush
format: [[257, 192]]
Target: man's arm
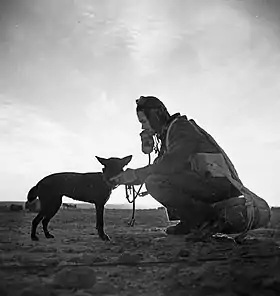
[[183, 141], [142, 174]]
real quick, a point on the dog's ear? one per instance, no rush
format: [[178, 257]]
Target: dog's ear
[[102, 160], [126, 160]]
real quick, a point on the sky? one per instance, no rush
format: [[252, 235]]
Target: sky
[[71, 71]]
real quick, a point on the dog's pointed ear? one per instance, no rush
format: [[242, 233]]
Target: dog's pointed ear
[[102, 160], [126, 160]]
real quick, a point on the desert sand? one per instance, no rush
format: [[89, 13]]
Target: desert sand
[[139, 260]]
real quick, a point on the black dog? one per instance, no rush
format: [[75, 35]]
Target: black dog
[[94, 188]]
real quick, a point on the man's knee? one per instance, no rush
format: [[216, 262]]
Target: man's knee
[[173, 197], [152, 182], [158, 188], [161, 188]]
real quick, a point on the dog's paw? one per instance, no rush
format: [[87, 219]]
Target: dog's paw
[[35, 238], [48, 235], [105, 237]]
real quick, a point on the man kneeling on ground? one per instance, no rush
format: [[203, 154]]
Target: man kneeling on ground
[[193, 177]]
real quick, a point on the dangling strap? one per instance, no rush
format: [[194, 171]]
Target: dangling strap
[[128, 190]]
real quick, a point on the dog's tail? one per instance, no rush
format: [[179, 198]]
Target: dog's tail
[[32, 194]]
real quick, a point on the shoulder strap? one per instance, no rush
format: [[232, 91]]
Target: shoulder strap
[[168, 131]]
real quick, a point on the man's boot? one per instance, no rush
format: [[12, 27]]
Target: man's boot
[[181, 228], [172, 214]]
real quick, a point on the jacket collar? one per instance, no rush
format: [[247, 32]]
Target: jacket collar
[[172, 117]]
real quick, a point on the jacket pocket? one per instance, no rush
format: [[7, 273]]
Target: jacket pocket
[[209, 163]]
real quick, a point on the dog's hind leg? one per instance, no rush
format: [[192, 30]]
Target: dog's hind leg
[[49, 213], [35, 223], [100, 222]]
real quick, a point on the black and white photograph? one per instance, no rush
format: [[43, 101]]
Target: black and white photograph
[[139, 147]]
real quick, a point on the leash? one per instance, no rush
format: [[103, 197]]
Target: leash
[[130, 190]]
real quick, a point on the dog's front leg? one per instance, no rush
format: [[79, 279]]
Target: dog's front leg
[[100, 222]]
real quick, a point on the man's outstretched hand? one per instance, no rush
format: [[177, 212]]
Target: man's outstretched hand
[[128, 177]]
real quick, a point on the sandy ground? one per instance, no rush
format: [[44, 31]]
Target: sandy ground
[[139, 260]]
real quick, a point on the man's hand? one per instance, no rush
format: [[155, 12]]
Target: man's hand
[[128, 177]]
